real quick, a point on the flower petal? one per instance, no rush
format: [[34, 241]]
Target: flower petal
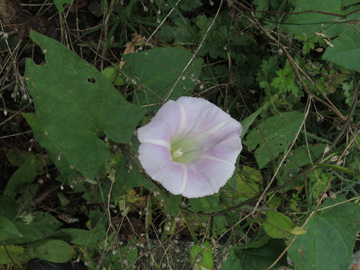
[[227, 150], [197, 184], [153, 157], [208, 139], [173, 176], [201, 115], [216, 173], [170, 113], [156, 132]]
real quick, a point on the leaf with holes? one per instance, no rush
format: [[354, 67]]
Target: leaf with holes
[[13, 254], [52, 250], [330, 237], [75, 105], [156, 71], [274, 136]]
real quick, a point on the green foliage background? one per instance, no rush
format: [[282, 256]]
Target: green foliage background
[[287, 70]]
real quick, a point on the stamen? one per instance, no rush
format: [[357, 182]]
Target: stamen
[[178, 153]]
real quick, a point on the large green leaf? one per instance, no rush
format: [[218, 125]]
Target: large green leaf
[[346, 50], [52, 250], [276, 135], [242, 258], [307, 21], [41, 227], [298, 157], [75, 105], [330, 237], [278, 225], [156, 71], [24, 175], [206, 204], [13, 254], [8, 229]]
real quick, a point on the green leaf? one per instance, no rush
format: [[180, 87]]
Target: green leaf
[[74, 105], [277, 133], [155, 72], [330, 237], [24, 175], [56, 251], [299, 157], [60, 4], [41, 227], [346, 50], [88, 239], [242, 258], [8, 230], [246, 123], [308, 21], [25, 204], [12, 253], [206, 204], [128, 176], [17, 157], [277, 225], [248, 181], [173, 204], [201, 256], [285, 81], [7, 207]]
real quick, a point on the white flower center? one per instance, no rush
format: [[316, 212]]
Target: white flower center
[[178, 153]]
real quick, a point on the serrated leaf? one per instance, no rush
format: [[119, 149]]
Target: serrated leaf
[[277, 225], [285, 81], [277, 133], [346, 50], [330, 237], [75, 104], [155, 71]]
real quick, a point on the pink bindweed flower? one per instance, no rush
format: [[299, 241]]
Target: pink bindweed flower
[[190, 147]]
